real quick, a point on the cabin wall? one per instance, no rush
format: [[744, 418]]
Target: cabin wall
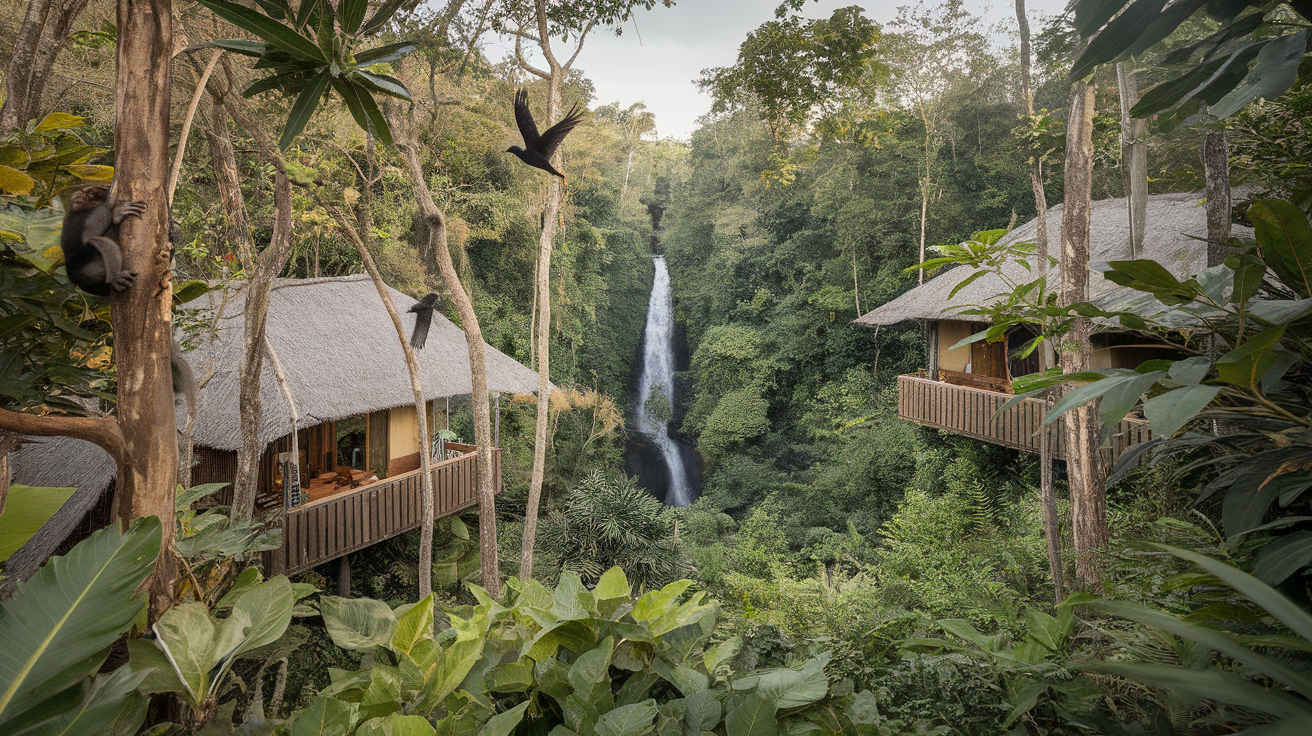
[[220, 466], [403, 432], [950, 332]]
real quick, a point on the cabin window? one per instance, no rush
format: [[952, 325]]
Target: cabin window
[[352, 444]]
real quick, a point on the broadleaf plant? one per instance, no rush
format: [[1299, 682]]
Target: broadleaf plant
[[314, 46]]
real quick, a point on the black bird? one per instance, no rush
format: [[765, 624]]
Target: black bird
[[424, 311], [540, 148]]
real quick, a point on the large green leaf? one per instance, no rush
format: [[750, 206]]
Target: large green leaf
[[1126, 31], [58, 626], [256, 49], [259, 617], [1281, 608], [451, 666], [752, 716], [1283, 558], [590, 675], [382, 15], [1211, 684], [396, 724], [628, 720], [364, 109], [1275, 72], [382, 84], [1219, 640], [613, 584], [109, 706], [186, 634], [793, 688], [326, 717], [1168, 412], [702, 712], [270, 30], [502, 724], [350, 14], [1285, 239], [413, 625], [571, 600], [385, 54], [1095, 390], [359, 624], [1245, 365], [303, 108], [1170, 92]]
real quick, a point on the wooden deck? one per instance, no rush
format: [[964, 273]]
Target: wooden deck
[[324, 530], [970, 412]]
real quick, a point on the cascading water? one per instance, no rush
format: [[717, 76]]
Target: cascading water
[[658, 374]]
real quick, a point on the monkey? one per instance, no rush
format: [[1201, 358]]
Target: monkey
[[94, 261], [92, 255]]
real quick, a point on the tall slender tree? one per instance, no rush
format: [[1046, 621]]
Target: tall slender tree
[[45, 30], [1047, 492], [1088, 496], [572, 21]]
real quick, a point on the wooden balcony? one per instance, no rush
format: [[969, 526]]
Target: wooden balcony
[[324, 530], [970, 412]]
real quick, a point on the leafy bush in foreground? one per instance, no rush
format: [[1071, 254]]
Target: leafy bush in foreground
[[572, 662]]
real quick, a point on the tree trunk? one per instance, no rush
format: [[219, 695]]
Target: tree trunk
[[1088, 497], [8, 443], [421, 412], [1135, 148], [436, 219], [924, 204], [261, 270], [255, 313], [43, 34], [142, 315], [544, 345], [1216, 167], [1047, 494]]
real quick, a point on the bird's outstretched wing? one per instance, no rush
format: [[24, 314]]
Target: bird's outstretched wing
[[422, 322], [524, 119], [555, 134], [423, 310]]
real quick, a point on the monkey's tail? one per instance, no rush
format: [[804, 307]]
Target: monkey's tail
[[184, 382]]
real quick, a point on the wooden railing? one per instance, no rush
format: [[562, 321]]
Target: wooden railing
[[971, 412], [324, 530]]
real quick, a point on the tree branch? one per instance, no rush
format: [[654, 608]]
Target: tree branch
[[103, 432], [569, 64], [523, 63]]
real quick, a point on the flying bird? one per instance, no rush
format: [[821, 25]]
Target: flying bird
[[423, 310], [538, 149]]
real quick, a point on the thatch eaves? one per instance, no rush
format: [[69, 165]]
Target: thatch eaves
[[56, 462], [340, 354], [1174, 224]]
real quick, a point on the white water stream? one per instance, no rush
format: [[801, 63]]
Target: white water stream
[[658, 371]]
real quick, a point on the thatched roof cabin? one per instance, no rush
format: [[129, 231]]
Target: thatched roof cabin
[[338, 349], [1174, 225]]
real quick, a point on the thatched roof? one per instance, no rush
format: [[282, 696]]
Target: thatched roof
[[1171, 220], [340, 354], [56, 462]]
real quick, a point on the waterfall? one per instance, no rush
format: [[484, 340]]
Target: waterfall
[[658, 372]]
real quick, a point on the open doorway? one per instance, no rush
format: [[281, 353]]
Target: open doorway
[[352, 446]]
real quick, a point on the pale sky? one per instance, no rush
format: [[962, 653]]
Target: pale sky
[[678, 43]]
